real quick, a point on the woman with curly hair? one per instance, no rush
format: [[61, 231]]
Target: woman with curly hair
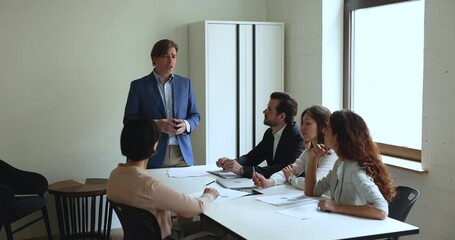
[[359, 183]]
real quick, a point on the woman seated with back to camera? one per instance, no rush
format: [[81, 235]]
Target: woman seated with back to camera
[[359, 183], [312, 121], [131, 184]]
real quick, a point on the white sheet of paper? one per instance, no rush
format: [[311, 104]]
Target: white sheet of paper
[[308, 210], [285, 199], [192, 171], [225, 194]]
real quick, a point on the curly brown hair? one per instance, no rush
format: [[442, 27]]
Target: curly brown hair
[[355, 143]]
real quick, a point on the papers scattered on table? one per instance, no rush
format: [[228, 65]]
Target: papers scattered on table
[[285, 199], [224, 174], [307, 210], [192, 171], [225, 194]]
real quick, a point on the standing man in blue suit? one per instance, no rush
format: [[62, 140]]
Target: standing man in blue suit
[[168, 99]]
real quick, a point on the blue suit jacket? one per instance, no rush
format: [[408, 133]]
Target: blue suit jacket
[[144, 99]]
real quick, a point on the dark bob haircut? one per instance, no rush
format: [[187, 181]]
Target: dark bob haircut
[[139, 135]]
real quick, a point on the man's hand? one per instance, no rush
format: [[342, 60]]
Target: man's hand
[[229, 165], [172, 126], [180, 126], [220, 161]]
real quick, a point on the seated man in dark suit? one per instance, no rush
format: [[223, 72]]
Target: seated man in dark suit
[[280, 146]]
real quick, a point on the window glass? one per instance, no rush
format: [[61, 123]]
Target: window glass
[[387, 71]]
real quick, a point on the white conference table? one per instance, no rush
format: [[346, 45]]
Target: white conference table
[[250, 218]]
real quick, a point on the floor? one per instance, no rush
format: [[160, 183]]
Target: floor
[[116, 234]]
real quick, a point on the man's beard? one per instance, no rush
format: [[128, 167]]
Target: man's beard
[[269, 123]]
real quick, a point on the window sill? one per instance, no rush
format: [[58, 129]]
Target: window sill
[[404, 164]]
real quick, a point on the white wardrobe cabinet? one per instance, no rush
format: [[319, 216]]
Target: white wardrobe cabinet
[[234, 67]]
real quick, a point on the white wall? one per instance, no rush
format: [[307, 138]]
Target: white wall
[[303, 44], [332, 54], [434, 211], [65, 69]]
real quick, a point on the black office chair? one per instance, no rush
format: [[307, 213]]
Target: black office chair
[[140, 224], [21, 194], [400, 206]]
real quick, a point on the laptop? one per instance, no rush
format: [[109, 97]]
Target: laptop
[[224, 174], [236, 183]]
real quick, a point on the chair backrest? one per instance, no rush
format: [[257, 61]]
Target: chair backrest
[[14, 182], [137, 223], [400, 206], [30, 182]]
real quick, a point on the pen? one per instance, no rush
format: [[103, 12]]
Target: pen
[[210, 183], [254, 171]]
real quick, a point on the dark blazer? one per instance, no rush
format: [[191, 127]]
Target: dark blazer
[[144, 99], [287, 151]]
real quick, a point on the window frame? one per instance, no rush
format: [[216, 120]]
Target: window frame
[[349, 7]]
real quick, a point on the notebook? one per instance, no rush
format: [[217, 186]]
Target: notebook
[[236, 183]]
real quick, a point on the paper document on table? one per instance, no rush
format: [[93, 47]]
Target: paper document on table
[[192, 171], [285, 199], [225, 194], [307, 210], [224, 174]]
